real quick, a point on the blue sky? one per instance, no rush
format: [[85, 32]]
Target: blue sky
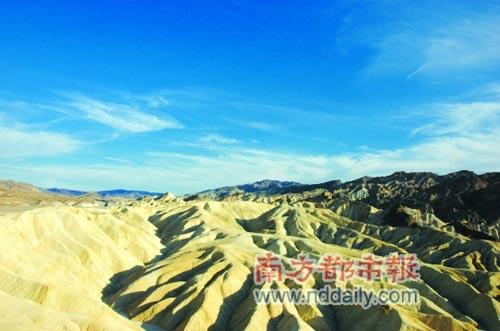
[[186, 95]]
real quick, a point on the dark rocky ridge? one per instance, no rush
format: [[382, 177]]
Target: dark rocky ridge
[[263, 187], [467, 201]]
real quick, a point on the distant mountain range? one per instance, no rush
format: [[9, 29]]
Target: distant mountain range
[[265, 187], [104, 194], [465, 200]]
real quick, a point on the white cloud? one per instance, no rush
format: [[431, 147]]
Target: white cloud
[[463, 136], [183, 173], [261, 126], [118, 159], [157, 101], [459, 44], [218, 139], [467, 44], [123, 117], [462, 119], [176, 172], [22, 143], [257, 125], [439, 154], [459, 136], [492, 89]]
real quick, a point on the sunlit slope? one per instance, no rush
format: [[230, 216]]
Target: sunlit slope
[[54, 263], [204, 276], [173, 264]]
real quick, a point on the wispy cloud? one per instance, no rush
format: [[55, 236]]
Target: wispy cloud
[[183, 173], [218, 139], [457, 136], [462, 119], [257, 125], [120, 116], [16, 142], [440, 154], [463, 45], [437, 45], [460, 136], [118, 160]]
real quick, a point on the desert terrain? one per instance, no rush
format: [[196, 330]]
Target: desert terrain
[[186, 263]]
